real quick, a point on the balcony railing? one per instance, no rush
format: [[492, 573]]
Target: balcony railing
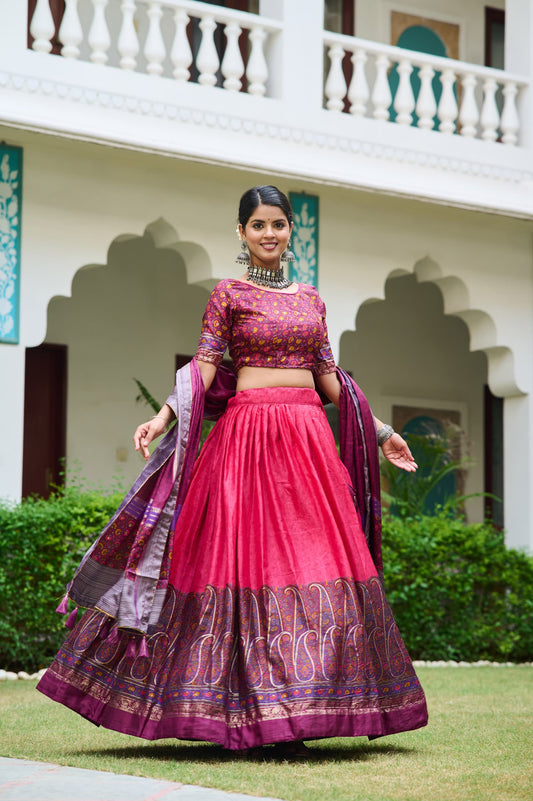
[[368, 79], [176, 39], [189, 41]]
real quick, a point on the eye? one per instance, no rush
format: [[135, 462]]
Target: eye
[[280, 224], [257, 226]]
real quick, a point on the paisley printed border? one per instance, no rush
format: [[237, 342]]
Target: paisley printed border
[[245, 657]]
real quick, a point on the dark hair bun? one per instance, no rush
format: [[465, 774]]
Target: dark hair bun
[[263, 195]]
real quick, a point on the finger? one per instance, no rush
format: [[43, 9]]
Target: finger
[[144, 443]]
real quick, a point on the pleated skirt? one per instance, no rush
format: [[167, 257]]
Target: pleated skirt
[[275, 625]]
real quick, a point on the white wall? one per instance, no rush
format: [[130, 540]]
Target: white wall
[[79, 198]]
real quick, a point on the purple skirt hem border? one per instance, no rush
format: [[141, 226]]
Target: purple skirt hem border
[[369, 723]]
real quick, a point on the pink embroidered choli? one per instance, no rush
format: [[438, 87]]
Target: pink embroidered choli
[[266, 329]]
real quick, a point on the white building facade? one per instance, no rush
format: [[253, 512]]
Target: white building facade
[[141, 123]]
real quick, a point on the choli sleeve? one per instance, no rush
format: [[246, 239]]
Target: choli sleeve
[[216, 327], [325, 362]]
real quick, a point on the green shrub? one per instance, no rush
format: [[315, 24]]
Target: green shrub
[[456, 591], [41, 544]]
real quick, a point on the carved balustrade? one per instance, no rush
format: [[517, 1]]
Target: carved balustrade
[[185, 40], [179, 39], [449, 96]]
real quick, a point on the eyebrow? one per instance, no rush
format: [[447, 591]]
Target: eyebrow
[[262, 219]]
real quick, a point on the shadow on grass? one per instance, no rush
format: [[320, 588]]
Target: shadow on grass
[[206, 753]]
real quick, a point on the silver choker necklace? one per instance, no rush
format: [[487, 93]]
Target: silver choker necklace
[[271, 278]]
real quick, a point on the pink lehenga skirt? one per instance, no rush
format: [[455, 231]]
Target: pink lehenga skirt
[[275, 625]]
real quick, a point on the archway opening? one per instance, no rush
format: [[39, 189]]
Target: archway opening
[[412, 360], [124, 320]]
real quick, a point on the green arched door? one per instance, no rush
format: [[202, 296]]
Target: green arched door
[[426, 427]]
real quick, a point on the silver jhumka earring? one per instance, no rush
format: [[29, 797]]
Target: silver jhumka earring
[[287, 257], [244, 256]]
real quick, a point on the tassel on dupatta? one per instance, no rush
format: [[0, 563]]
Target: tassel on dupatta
[[70, 622]]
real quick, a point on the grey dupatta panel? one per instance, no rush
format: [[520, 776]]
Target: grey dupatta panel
[[133, 594]]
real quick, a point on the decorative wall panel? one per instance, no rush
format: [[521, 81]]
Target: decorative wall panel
[[304, 238], [10, 231]]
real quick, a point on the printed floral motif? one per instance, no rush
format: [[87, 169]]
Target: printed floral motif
[[305, 239], [266, 329], [10, 198]]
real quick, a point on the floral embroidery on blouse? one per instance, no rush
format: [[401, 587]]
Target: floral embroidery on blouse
[[266, 329]]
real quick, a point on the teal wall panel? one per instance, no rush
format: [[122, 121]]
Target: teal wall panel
[[304, 238], [10, 233]]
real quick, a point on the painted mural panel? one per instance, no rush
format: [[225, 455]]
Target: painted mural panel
[[304, 238], [10, 220]]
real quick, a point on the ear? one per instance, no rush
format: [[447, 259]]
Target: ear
[[241, 232]]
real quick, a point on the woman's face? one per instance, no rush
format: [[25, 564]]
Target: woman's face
[[267, 234]]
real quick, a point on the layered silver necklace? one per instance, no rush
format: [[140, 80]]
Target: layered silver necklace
[[275, 279]]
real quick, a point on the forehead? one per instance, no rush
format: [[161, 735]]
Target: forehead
[[268, 213]]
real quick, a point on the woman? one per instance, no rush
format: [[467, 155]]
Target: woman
[[238, 598]]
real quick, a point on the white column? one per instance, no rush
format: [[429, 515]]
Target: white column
[[518, 471], [12, 361], [519, 58], [13, 29], [296, 57]]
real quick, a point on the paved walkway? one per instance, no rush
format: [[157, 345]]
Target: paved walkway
[[39, 781]]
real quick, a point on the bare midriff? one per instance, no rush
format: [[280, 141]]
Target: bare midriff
[[262, 377]]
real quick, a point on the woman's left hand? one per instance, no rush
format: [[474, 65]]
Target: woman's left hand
[[396, 450]]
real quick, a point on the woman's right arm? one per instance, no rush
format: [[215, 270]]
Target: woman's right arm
[[147, 432], [216, 324], [207, 371]]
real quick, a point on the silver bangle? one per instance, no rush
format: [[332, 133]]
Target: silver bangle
[[384, 433]]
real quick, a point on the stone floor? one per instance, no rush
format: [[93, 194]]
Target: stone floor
[[38, 781]]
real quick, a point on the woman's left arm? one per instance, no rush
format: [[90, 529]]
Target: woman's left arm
[[395, 448]]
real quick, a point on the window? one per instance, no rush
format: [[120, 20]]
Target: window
[[494, 38], [339, 16]]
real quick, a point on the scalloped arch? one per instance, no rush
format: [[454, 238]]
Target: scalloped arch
[[481, 326], [195, 257]]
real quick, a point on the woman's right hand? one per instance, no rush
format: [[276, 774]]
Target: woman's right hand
[[146, 432]]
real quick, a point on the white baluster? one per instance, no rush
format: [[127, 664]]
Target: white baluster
[[181, 55], [381, 96], [207, 58], [154, 48], [469, 114], [335, 89], [70, 31], [128, 43], [358, 92], [257, 69], [447, 109], [99, 39], [404, 101], [232, 64], [510, 121], [42, 27], [490, 116], [426, 105]]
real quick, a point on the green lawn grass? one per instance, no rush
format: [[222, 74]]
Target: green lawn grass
[[478, 746]]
